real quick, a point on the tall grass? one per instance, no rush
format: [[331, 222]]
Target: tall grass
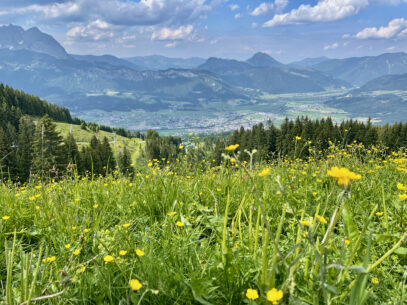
[[201, 235]]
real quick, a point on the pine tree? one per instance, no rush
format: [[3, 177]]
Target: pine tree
[[124, 162], [6, 152], [106, 156], [24, 152], [49, 158], [72, 153]]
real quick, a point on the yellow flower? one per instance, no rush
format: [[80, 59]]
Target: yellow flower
[[77, 199], [232, 147], [123, 252], [5, 217], [126, 225], [181, 147], [135, 285], [81, 269], [274, 295], [86, 231], [401, 187], [218, 189], [190, 134], [139, 252], [76, 252], [37, 207], [298, 138], [95, 206], [321, 219], [403, 196], [379, 214], [108, 258], [179, 224], [264, 172], [343, 175], [172, 213], [347, 242], [49, 259], [252, 294], [73, 228], [375, 281], [67, 246], [306, 223], [150, 164]]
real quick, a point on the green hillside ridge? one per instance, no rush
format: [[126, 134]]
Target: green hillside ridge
[[117, 142]]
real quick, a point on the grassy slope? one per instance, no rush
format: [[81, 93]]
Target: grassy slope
[[203, 238], [83, 137]]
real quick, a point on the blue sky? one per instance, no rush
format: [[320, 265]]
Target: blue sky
[[288, 30]]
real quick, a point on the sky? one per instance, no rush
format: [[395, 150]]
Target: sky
[[288, 30]]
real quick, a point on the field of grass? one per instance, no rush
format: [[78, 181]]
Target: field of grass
[[282, 233], [83, 137]]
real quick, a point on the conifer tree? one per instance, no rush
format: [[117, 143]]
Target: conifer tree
[[124, 162], [6, 160], [48, 158], [24, 152]]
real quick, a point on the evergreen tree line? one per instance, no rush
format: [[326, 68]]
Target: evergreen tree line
[[302, 137], [38, 150]]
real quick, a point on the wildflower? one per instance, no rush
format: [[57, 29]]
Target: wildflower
[[181, 146], [67, 246], [401, 187], [252, 294], [297, 138], [86, 231], [274, 295], [343, 175], [379, 214], [81, 269], [135, 284], [306, 223], [179, 224], [126, 225], [232, 147], [5, 217], [218, 189], [347, 242], [321, 219], [73, 228], [37, 207], [50, 259], [375, 281], [108, 258], [95, 206], [403, 197], [139, 252], [264, 172], [123, 252], [172, 213], [190, 134], [77, 199], [150, 164], [76, 252]]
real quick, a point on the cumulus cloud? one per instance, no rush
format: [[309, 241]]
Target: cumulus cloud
[[237, 16], [268, 7], [144, 12], [395, 27], [182, 32], [331, 46], [171, 44], [96, 31], [323, 11]]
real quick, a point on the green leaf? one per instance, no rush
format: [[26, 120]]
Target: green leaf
[[401, 251], [350, 227]]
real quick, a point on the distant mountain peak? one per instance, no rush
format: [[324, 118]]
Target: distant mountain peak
[[261, 59], [14, 37]]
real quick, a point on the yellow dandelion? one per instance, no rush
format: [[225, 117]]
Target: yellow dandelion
[[123, 252], [67, 246], [139, 252], [375, 281], [403, 197], [95, 206], [343, 175], [379, 214], [76, 252], [252, 294], [5, 217], [321, 219], [401, 187], [50, 259], [274, 295], [179, 224], [347, 242], [81, 269], [232, 147], [306, 223], [264, 172], [172, 213], [108, 258], [135, 284], [126, 225]]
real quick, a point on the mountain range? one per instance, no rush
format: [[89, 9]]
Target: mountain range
[[33, 61]]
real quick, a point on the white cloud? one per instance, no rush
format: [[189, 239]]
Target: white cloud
[[262, 9], [234, 7], [345, 36], [390, 49], [395, 26], [96, 30], [332, 46], [254, 25], [268, 7], [171, 44], [117, 12], [237, 16], [346, 43], [323, 11], [182, 32]]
